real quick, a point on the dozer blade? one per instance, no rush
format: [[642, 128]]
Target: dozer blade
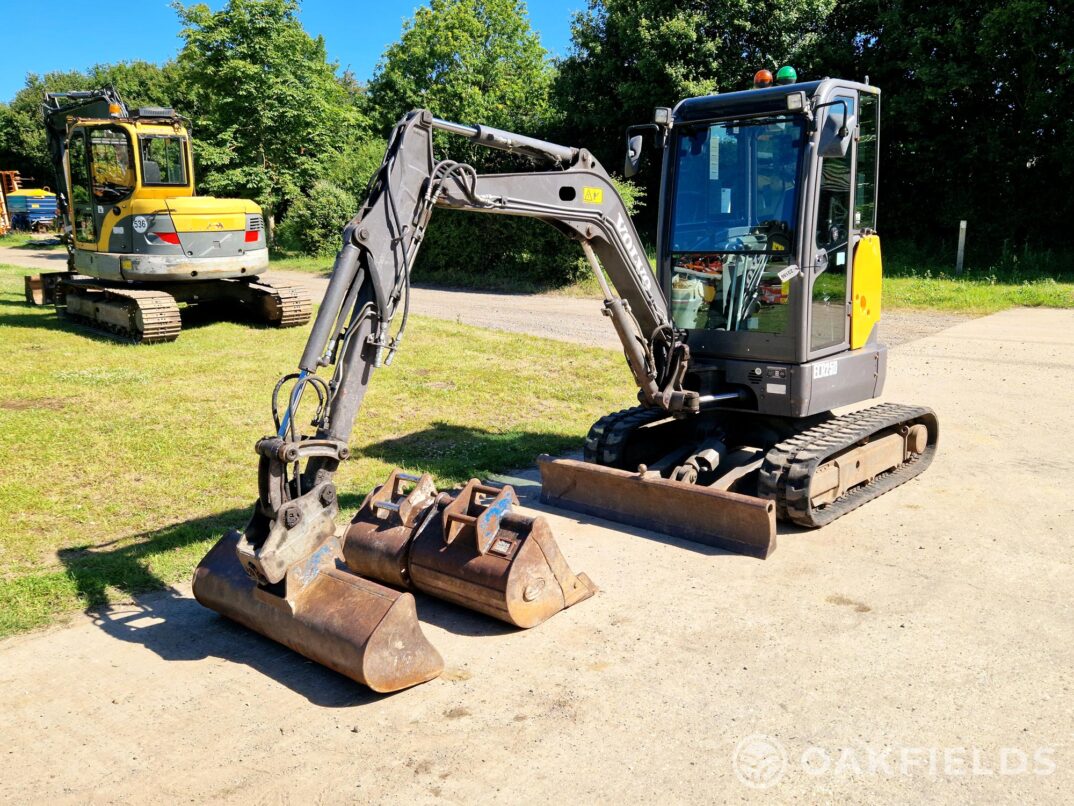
[[738, 523], [356, 627]]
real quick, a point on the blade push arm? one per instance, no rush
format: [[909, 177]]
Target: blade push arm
[[363, 317]]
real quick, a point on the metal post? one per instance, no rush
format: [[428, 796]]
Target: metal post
[[961, 246]]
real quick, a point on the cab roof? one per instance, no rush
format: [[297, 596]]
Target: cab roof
[[745, 102]]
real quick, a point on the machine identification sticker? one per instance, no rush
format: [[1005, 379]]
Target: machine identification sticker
[[787, 273], [593, 195], [825, 369], [117, 230], [776, 388], [140, 224]]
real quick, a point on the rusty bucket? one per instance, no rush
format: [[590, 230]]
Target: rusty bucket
[[360, 629], [471, 549]]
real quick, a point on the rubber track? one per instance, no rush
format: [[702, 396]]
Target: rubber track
[[608, 436], [293, 302], [159, 314], [788, 468]]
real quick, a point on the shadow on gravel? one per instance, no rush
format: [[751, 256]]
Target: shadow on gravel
[[175, 626]]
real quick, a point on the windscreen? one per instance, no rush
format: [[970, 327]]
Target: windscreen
[[733, 219], [163, 159]]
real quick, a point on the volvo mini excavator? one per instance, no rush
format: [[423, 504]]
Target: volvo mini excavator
[[760, 319], [139, 241]]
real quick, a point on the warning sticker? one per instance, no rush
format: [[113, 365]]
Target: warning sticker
[[593, 195]]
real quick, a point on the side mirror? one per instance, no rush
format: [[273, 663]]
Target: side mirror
[[835, 134], [633, 156]]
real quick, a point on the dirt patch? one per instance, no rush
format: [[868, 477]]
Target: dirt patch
[[50, 403], [859, 607]]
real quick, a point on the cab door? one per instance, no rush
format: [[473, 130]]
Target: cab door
[[113, 180], [83, 219], [834, 234]]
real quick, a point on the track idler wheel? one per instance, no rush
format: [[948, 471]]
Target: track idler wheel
[[360, 629], [471, 549]]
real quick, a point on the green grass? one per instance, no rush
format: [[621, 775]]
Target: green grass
[[291, 261], [121, 464], [972, 295], [26, 240]]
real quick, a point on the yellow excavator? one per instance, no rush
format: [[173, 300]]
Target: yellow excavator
[[760, 319], [139, 241]]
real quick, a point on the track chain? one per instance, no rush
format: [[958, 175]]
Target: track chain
[[607, 437], [292, 301], [153, 316], [788, 467]]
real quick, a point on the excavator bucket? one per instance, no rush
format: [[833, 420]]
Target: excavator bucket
[[320, 609], [470, 549], [34, 289], [738, 523]]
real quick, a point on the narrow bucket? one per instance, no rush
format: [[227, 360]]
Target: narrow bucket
[[358, 628], [470, 549], [738, 523]]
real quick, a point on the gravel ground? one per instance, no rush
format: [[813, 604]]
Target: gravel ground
[[580, 320], [918, 650]]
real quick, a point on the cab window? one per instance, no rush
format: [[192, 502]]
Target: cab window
[[868, 141], [163, 159], [76, 159], [111, 165], [828, 321]]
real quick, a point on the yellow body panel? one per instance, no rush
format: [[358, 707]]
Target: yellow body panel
[[189, 213], [865, 290], [220, 222]]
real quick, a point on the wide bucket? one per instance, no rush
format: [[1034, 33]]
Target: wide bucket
[[731, 521], [321, 610]]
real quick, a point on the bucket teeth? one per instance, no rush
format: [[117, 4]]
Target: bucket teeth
[[471, 549]]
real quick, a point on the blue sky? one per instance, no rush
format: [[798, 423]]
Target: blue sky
[[68, 35]]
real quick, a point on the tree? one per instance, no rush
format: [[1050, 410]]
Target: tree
[[466, 60], [475, 61], [629, 56], [22, 133], [269, 107], [974, 114]]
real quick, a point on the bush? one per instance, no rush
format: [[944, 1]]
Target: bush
[[315, 220]]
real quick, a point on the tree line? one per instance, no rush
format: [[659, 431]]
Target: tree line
[[974, 119]]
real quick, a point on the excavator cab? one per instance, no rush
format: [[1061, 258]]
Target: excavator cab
[[768, 204]]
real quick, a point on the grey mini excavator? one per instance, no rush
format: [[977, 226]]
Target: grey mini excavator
[[759, 320]]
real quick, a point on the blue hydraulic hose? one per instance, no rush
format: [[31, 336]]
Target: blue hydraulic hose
[[296, 395]]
